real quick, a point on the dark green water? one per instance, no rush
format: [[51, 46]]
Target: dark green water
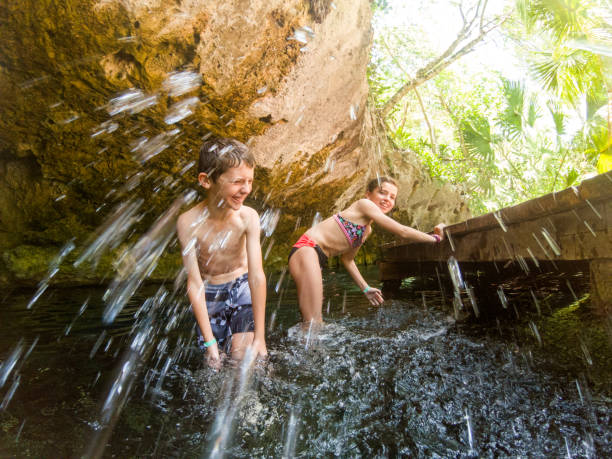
[[403, 380]]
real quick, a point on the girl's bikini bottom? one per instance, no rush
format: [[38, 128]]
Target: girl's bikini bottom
[[305, 241]]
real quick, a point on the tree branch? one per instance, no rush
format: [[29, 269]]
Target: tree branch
[[449, 56], [432, 135]]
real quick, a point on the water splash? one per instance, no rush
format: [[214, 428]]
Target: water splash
[[269, 220], [551, 242], [455, 273], [470, 291], [469, 431], [179, 83], [450, 239], [590, 228], [498, 217], [595, 211], [11, 361], [533, 258], [139, 261], [54, 267], [585, 352], [181, 110], [292, 432], [502, 297], [112, 232], [107, 127], [535, 331], [535, 302], [97, 344], [268, 249], [280, 280], [131, 101], [10, 393], [235, 390], [302, 35], [569, 287], [145, 148]]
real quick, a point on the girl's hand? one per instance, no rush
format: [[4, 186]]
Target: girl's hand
[[259, 347], [374, 296], [439, 230], [212, 356]]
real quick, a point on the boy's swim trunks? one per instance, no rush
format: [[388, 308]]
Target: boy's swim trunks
[[230, 310], [305, 241]]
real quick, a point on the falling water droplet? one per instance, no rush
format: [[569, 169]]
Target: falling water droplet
[[179, 83], [502, 297], [455, 273], [595, 211], [536, 302], [569, 286], [536, 333], [498, 217], [590, 229], [11, 361], [292, 431], [280, 280], [10, 393], [551, 242], [469, 431]]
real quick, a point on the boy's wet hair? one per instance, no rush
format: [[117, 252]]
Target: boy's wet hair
[[377, 183], [217, 155]]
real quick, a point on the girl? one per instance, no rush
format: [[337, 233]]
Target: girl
[[343, 234]]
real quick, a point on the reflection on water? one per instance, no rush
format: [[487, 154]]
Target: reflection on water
[[402, 380]]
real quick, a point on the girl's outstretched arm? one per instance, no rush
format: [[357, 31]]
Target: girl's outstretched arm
[[371, 210]]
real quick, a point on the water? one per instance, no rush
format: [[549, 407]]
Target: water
[[400, 380]]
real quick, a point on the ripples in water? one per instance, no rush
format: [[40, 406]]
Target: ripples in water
[[402, 380]]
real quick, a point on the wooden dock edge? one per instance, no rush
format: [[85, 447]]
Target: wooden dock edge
[[573, 225]]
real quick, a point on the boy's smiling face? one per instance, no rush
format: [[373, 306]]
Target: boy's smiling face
[[232, 187]]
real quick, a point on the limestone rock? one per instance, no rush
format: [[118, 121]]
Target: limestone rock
[[287, 77]]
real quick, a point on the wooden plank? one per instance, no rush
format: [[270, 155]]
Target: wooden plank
[[592, 193], [574, 224]]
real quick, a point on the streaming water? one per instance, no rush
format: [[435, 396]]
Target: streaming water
[[402, 380]]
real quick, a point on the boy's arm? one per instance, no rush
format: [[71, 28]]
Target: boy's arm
[[195, 285], [257, 282]]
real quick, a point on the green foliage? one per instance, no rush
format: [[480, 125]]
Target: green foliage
[[503, 141]]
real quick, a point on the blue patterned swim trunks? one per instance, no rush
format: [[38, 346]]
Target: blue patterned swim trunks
[[230, 310]]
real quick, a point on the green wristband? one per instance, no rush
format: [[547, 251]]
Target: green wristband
[[210, 343], [366, 289]]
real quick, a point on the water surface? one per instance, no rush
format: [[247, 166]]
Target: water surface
[[402, 380]]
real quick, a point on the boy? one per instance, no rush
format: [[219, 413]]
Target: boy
[[220, 241]]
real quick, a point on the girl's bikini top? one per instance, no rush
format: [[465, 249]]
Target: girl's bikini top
[[354, 233]]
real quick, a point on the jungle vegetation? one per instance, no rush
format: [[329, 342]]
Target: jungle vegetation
[[507, 100]]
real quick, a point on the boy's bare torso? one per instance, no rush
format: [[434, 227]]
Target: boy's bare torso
[[220, 245]]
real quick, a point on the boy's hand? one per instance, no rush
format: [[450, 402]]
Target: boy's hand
[[439, 230], [212, 357], [259, 346], [374, 296]]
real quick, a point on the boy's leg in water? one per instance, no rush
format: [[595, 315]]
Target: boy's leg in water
[[240, 343], [306, 272]]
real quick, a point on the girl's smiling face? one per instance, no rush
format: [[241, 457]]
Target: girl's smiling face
[[383, 196]]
